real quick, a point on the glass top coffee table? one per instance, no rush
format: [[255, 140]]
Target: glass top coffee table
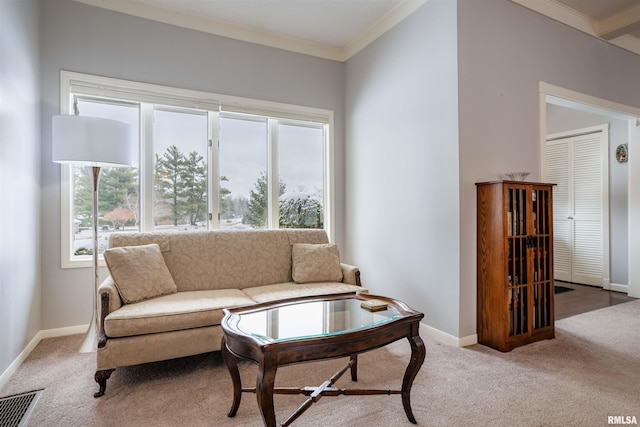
[[314, 328]]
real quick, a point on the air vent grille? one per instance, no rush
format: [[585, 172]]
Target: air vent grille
[[14, 410]]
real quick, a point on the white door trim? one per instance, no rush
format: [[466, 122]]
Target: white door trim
[[626, 112]]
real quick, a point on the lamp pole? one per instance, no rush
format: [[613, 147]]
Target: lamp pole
[[90, 341]]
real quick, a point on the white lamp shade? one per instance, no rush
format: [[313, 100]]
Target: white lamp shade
[[92, 141]]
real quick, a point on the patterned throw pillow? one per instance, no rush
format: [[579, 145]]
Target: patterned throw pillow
[[139, 272], [316, 263]]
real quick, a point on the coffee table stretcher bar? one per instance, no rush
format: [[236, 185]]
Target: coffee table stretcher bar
[[267, 367]]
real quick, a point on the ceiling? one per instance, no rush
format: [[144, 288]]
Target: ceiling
[[337, 29], [333, 23]]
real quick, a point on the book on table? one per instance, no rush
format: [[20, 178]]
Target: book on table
[[374, 305]]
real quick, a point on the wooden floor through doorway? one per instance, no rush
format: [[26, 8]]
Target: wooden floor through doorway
[[585, 298]]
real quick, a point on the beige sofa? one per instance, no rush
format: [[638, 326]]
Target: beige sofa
[[165, 295]]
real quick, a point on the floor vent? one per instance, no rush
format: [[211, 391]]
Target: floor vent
[[14, 410]]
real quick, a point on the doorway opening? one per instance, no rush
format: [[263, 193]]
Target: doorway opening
[[557, 96]]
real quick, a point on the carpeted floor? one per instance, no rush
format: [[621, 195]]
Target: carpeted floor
[[589, 372]]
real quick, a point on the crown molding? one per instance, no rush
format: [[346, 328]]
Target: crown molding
[[565, 15], [384, 24], [217, 27], [245, 33], [561, 13]]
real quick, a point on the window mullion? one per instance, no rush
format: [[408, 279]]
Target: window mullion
[[273, 189], [213, 185], [146, 167], [329, 182]]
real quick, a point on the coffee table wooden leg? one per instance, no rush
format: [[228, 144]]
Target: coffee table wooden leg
[[264, 391], [417, 358], [354, 368], [232, 367]]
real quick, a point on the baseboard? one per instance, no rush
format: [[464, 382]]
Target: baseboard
[[445, 338], [47, 333], [18, 361], [616, 287], [425, 330], [61, 332]]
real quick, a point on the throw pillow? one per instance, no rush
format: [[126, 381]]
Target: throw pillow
[[315, 263], [139, 272]]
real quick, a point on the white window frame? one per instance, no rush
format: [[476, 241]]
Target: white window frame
[[148, 95]]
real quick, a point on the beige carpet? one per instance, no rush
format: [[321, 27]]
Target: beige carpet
[[589, 372]]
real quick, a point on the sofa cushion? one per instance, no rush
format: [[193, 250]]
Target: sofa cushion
[[315, 263], [139, 272], [281, 291], [182, 310]]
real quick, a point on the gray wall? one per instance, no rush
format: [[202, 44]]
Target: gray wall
[[402, 168], [405, 181], [82, 38], [562, 119], [504, 51], [19, 178]]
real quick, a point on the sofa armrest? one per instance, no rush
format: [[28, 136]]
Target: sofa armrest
[[351, 274], [109, 287], [108, 301]]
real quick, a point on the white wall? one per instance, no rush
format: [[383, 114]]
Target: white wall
[[82, 38], [504, 51], [562, 119], [19, 178], [402, 168]]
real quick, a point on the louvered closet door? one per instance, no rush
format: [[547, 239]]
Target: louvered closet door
[[558, 173], [575, 164]]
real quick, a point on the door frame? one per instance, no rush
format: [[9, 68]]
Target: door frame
[[559, 95]]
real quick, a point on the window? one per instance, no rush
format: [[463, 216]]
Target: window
[[180, 177], [301, 169], [117, 188], [205, 161], [243, 171]]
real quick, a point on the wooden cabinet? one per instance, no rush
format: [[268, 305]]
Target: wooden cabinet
[[515, 263]]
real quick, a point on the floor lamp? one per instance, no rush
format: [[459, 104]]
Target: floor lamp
[[92, 142]]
